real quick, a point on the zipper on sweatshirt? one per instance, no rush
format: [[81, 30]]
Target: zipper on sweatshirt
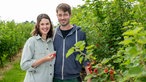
[[63, 59]]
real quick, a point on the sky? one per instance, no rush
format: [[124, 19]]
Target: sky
[[28, 10]]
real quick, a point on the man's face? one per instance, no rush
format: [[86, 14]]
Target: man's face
[[63, 17]]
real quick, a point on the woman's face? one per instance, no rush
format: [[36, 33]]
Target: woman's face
[[44, 26]]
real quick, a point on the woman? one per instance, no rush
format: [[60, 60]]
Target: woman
[[38, 56]]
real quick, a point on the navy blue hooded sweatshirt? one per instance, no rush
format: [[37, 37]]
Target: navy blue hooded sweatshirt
[[67, 68]]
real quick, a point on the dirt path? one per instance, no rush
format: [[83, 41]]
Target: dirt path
[[9, 65]]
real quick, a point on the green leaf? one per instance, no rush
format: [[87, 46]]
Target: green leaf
[[131, 51], [77, 57], [80, 43], [127, 41], [90, 47], [105, 60], [133, 32], [118, 60], [127, 62], [82, 47], [81, 59], [135, 70], [142, 40], [70, 51], [131, 0], [88, 77]]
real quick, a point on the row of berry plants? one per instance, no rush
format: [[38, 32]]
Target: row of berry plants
[[12, 37], [116, 37]]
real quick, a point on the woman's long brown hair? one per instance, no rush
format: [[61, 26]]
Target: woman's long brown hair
[[36, 30]]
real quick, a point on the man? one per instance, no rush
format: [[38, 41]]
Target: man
[[66, 35]]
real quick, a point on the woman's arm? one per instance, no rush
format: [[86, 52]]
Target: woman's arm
[[49, 57]]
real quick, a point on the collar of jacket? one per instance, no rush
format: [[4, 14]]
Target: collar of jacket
[[72, 31], [39, 37]]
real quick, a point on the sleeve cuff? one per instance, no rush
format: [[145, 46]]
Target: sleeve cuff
[[32, 69]]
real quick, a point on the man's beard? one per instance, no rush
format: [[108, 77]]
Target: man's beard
[[65, 24]]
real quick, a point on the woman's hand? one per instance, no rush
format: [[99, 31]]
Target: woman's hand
[[51, 56]]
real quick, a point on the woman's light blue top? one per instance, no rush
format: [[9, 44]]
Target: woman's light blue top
[[34, 49]]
